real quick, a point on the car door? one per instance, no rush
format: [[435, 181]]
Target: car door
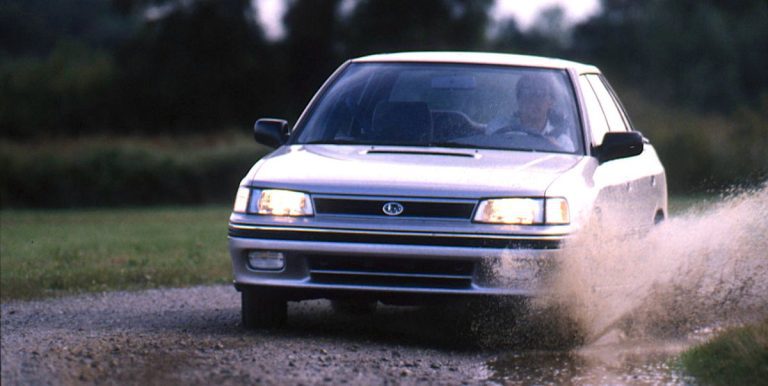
[[623, 198], [648, 187]]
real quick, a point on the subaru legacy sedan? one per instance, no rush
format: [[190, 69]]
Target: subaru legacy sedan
[[411, 177]]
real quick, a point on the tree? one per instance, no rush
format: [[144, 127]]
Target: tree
[[34, 27], [311, 49], [548, 36], [704, 54], [375, 26], [203, 65]]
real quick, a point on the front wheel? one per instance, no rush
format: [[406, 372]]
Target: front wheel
[[263, 308]]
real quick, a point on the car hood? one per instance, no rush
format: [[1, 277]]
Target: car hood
[[409, 171]]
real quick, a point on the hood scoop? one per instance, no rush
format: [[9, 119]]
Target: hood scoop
[[421, 152]]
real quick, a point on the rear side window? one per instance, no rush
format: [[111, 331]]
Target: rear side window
[[597, 123]]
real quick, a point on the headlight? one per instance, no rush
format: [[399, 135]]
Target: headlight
[[523, 211], [284, 203], [511, 211]]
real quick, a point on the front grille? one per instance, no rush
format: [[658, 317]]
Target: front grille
[[411, 208], [404, 265], [391, 272]]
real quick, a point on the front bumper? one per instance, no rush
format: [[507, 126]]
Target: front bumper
[[319, 261]]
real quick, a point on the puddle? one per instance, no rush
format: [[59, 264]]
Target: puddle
[[637, 363]]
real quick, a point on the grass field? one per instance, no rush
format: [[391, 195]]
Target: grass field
[[735, 357], [47, 253], [52, 252]]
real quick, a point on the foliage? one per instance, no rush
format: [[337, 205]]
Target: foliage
[[61, 252], [36, 27], [197, 69], [703, 151], [736, 357], [113, 172], [548, 36], [694, 71], [65, 93], [375, 26], [312, 30], [703, 54]]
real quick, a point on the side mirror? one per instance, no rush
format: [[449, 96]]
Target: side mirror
[[619, 145], [271, 132]]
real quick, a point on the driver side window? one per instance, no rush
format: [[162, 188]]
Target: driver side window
[[612, 113], [597, 124]]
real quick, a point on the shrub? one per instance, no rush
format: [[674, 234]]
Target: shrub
[[736, 357], [704, 151], [100, 172]]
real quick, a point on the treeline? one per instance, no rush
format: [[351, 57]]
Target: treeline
[[73, 68], [195, 66]]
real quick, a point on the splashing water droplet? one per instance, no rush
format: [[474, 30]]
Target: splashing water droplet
[[708, 266], [702, 267]]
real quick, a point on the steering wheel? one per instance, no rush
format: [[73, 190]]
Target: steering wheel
[[513, 130], [536, 140]]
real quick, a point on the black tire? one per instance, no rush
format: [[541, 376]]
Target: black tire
[[354, 307], [263, 308]]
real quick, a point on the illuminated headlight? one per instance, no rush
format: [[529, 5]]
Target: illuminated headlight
[[523, 211], [276, 202], [511, 211], [273, 202]]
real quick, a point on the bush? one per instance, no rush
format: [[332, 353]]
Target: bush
[[100, 172], [704, 151], [738, 356], [64, 94]]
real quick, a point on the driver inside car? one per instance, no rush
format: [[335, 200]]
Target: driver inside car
[[535, 115]]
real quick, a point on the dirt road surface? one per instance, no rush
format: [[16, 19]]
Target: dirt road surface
[[193, 336]]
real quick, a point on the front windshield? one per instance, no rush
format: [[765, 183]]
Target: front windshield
[[447, 105]]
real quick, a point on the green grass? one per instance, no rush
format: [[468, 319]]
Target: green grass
[[736, 357], [49, 253]]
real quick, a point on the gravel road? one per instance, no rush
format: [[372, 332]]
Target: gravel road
[[193, 335]]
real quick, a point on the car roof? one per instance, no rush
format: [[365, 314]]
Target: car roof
[[479, 58]]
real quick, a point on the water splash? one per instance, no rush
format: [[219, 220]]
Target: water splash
[[707, 266]]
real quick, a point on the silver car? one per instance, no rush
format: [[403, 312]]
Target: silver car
[[410, 176]]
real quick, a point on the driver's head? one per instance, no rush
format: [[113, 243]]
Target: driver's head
[[534, 97]]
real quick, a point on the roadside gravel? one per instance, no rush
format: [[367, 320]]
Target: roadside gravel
[[193, 336]]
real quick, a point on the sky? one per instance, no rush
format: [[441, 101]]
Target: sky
[[524, 11]]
